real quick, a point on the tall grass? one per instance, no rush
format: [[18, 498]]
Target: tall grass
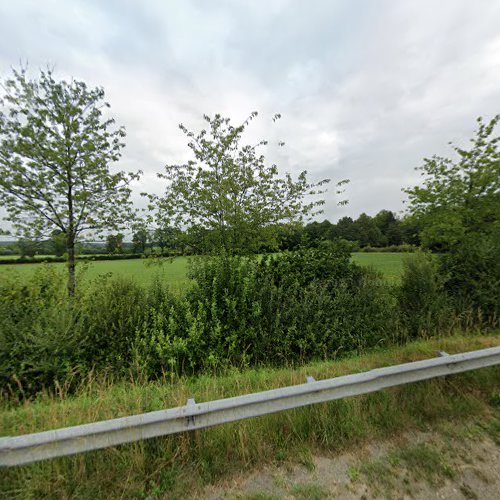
[[179, 466]]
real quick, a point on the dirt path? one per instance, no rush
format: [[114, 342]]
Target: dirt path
[[452, 461]]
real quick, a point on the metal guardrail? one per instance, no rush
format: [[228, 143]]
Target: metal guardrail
[[70, 440]]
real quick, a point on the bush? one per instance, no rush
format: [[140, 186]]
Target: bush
[[423, 303], [472, 270], [40, 341], [33, 260], [46, 337], [52, 258], [109, 311], [272, 310], [278, 309]]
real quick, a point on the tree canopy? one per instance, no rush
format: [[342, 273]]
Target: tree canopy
[[460, 196], [229, 194], [56, 147]]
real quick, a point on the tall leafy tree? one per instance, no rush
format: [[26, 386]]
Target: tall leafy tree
[[56, 148], [231, 193], [167, 238], [346, 229], [460, 197], [140, 239], [367, 231], [389, 226], [317, 231], [57, 242], [27, 247], [114, 243]]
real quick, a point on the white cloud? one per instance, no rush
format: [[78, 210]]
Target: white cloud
[[366, 89]]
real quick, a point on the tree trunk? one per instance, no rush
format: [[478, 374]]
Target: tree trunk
[[71, 264]]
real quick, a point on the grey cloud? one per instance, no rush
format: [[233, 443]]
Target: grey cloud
[[366, 89]]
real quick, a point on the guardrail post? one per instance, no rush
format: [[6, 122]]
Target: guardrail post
[[190, 418]]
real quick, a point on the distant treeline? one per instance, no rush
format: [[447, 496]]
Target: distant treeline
[[383, 232]]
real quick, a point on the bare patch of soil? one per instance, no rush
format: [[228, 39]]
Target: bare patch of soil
[[452, 461]]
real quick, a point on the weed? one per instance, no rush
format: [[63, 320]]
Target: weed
[[309, 491], [426, 461], [353, 473]]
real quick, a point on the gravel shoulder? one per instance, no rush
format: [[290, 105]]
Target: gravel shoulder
[[454, 460]]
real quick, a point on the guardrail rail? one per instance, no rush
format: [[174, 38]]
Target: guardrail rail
[[18, 450]]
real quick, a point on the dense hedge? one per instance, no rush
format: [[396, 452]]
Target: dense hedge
[[239, 311], [298, 306], [472, 271], [405, 248]]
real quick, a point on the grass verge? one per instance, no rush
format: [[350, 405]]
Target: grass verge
[[173, 466]]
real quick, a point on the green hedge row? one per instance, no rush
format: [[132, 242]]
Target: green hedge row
[[281, 309], [53, 258], [390, 249]]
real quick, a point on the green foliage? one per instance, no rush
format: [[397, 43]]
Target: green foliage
[[39, 259], [140, 239], [27, 247], [108, 313], [367, 231], [114, 243], [40, 341], [425, 308], [472, 272], [390, 227], [180, 466], [229, 194], [287, 308], [45, 337], [382, 230], [57, 243], [239, 311], [169, 239], [56, 148], [460, 198], [280, 309], [346, 229]]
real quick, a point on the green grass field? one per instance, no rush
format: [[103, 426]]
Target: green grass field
[[141, 270], [174, 270], [389, 264]]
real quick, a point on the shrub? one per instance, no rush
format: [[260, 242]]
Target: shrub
[[87, 257], [46, 337], [40, 341], [272, 310], [109, 310], [423, 303], [472, 269], [278, 309]]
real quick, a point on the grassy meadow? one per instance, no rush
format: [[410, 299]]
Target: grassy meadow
[[389, 264], [143, 271]]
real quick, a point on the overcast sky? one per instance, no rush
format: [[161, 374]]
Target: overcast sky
[[366, 89]]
